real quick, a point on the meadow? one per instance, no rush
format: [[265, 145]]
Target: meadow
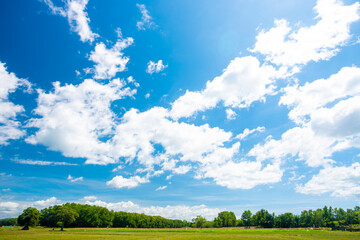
[[127, 233]]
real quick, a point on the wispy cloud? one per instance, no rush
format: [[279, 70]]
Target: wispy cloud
[[43, 163], [75, 11], [146, 21], [72, 179], [248, 132], [160, 188]]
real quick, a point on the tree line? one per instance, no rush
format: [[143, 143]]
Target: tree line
[[83, 215]]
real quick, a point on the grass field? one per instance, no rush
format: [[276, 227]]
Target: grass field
[[121, 233]]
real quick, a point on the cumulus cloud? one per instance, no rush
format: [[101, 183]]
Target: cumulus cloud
[[242, 82], [327, 112], [155, 67], [77, 121], [89, 198], [140, 131], [10, 128], [121, 182], [73, 118], [46, 203], [285, 46], [108, 62], [230, 114], [146, 21], [303, 100], [10, 209], [340, 121], [299, 142], [244, 175], [75, 11], [338, 181]]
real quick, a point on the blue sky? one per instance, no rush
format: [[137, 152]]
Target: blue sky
[[179, 108]]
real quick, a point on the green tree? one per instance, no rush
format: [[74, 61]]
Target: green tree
[[8, 222], [29, 217], [287, 220], [65, 215], [228, 219], [199, 221], [318, 218], [246, 217], [218, 222], [263, 218]]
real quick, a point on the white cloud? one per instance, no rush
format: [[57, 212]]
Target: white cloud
[[242, 82], [182, 169], [300, 142], [243, 175], [340, 121], [294, 177], [146, 20], [284, 46], [160, 188], [43, 163], [46, 203], [155, 67], [147, 95], [121, 182], [54, 9], [110, 61], [75, 11], [338, 181], [72, 179], [327, 112], [73, 119], [230, 114], [9, 209], [118, 168], [10, 128], [77, 121], [303, 100], [89, 198], [139, 132], [12, 209], [247, 132]]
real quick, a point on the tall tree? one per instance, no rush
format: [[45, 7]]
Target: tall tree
[[246, 217], [263, 218], [228, 219], [65, 215], [29, 217], [199, 221]]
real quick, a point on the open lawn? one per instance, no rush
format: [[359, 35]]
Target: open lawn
[[121, 233]]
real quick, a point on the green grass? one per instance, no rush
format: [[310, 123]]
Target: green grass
[[124, 233]]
